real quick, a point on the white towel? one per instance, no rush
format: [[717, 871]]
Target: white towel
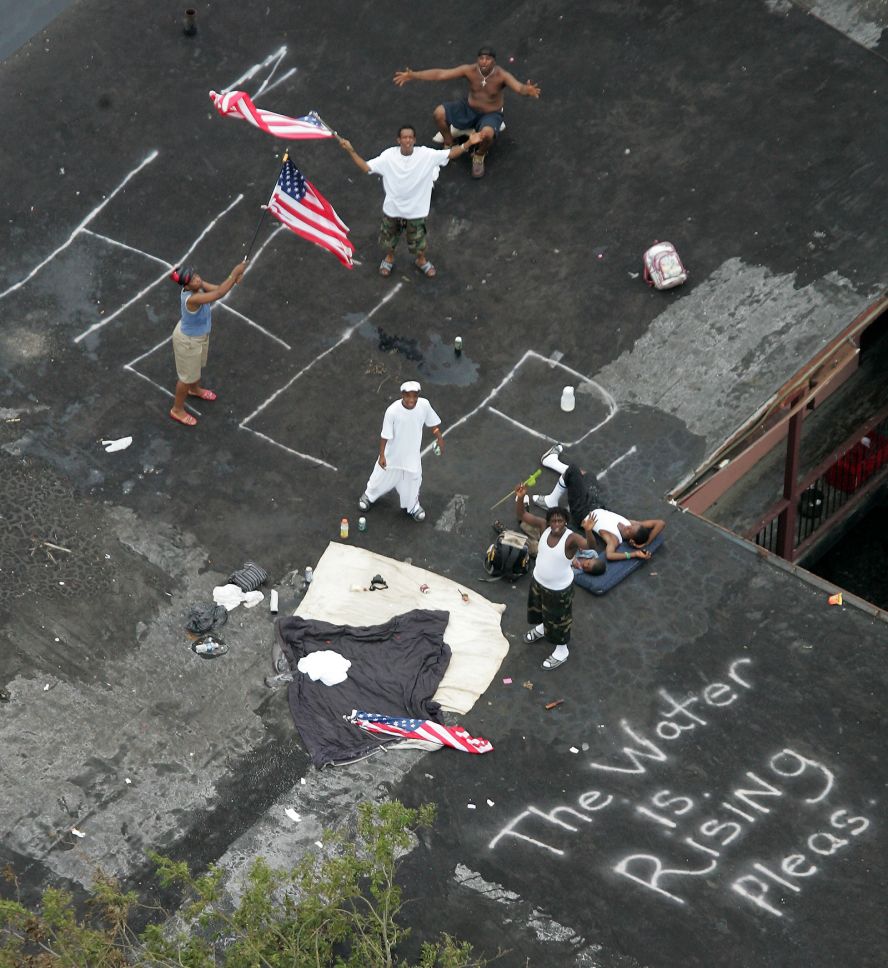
[[328, 666]]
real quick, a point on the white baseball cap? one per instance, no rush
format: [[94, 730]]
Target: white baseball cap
[[411, 386]]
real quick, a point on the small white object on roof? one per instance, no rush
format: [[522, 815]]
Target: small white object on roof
[[111, 446], [77, 833], [328, 666], [291, 813], [573, 749]]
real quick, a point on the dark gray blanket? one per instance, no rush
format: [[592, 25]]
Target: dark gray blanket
[[395, 669]]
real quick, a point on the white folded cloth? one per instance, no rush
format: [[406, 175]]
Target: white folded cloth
[[231, 596], [328, 666]]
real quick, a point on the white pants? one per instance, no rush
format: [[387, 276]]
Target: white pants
[[406, 483]]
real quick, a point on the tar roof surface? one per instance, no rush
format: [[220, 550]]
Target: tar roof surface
[[753, 137]]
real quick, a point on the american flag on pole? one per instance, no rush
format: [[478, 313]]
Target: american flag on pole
[[425, 729], [303, 209], [237, 104]]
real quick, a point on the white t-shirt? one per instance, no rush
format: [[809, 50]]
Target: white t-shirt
[[408, 179], [402, 428]]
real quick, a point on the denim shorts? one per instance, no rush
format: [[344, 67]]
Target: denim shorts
[[462, 116]]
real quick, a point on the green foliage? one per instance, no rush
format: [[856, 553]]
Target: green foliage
[[338, 910]]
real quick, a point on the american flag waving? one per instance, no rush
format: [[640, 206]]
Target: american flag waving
[[237, 104], [405, 728], [302, 209]]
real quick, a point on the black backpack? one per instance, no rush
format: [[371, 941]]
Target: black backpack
[[508, 557]]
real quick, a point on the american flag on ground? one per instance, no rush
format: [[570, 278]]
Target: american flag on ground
[[237, 104], [302, 209], [425, 729]]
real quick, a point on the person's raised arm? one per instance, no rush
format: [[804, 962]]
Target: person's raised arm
[[346, 146], [525, 90], [522, 514], [432, 74], [210, 292], [473, 139], [589, 541]]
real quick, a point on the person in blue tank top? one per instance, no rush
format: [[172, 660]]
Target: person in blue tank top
[[191, 337]]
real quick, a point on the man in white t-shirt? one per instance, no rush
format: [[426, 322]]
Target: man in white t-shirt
[[408, 175], [399, 467]]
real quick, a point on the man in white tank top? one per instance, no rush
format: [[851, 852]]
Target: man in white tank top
[[550, 596]]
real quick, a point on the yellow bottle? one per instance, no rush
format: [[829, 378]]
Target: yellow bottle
[[343, 528]]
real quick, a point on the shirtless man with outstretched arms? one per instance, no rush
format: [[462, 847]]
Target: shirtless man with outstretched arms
[[482, 109]]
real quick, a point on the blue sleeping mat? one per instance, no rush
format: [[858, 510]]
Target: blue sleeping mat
[[616, 570]]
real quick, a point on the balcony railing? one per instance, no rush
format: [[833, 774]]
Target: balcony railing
[[828, 494]]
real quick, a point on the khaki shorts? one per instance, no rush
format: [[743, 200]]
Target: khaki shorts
[[190, 353]]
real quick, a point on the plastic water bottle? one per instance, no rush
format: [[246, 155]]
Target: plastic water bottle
[[568, 401], [362, 524], [208, 647], [308, 574], [436, 450], [457, 345], [273, 601], [343, 528]]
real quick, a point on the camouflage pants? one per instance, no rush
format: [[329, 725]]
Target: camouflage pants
[[414, 228], [553, 609]]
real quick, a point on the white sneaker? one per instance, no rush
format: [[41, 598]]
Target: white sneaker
[[417, 514], [554, 451], [364, 502], [540, 502]]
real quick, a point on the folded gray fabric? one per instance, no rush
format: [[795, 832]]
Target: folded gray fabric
[[249, 578]]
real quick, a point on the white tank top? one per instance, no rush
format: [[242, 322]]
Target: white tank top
[[609, 521], [552, 569]]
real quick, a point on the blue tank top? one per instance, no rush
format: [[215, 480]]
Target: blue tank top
[[195, 324]]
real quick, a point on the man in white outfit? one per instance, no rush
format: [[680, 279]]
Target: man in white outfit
[[408, 175], [399, 466]]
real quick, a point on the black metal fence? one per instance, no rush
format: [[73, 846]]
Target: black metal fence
[[830, 491]]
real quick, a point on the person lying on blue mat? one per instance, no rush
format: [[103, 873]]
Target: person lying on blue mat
[[591, 562], [584, 500], [614, 530], [592, 576]]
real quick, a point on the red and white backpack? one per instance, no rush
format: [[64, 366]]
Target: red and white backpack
[[663, 269]]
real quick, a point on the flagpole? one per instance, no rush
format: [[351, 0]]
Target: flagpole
[[324, 123], [529, 482], [265, 209]]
